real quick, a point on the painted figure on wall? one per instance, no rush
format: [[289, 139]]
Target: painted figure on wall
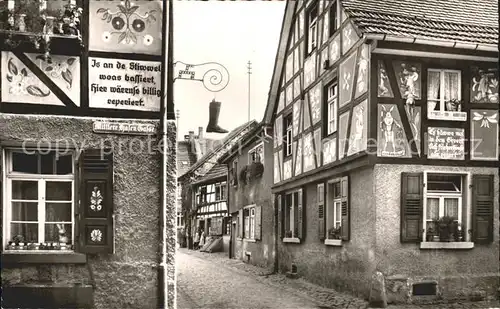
[[392, 134], [408, 78], [358, 130], [484, 86], [484, 131], [384, 86]]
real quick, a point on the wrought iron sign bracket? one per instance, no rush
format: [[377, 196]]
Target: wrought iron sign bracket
[[213, 75]]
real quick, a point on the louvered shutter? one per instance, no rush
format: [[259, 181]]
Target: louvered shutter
[[240, 223], [320, 200], [411, 207], [482, 208], [96, 226], [2, 206], [279, 206], [300, 215], [345, 209], [258, 223]]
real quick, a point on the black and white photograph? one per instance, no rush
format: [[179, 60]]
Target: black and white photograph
[[308, 154]]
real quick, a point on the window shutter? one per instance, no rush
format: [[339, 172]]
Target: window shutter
[[345, 209], [240, 223], [279, 205], [411, 207], [258, 222], [482, 208], [96, 226], [300, 215], [321, 210]]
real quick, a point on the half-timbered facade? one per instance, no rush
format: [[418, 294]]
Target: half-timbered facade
[[82, 125], [385, 120]]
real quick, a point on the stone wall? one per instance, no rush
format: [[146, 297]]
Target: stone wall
[[128, 278], [350, 266], [459, 273]]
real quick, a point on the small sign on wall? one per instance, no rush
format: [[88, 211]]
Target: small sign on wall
[[445, 143], [124, 84], [124, 128]]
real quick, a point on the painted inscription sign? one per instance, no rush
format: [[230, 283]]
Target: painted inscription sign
[[124, 84], [124, 128], [445, 143]]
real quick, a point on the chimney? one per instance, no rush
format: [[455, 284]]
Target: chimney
[[191, 135], [200, 132]]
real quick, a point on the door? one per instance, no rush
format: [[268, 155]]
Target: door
[[232, 240]]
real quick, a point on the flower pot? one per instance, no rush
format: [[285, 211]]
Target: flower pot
[[435, 238], [444, 233]]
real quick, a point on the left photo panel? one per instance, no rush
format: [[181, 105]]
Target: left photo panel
[[87, 154]]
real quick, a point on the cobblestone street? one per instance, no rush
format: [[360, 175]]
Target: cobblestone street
[[214, 281]]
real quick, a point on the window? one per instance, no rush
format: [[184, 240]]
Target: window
[[256, 154], [333, 211], [444, 194], [312, 23], [220, 192], [333, 18], [249, 222], [444, 94], [287, 138], [234, 173], [40, 198], [291, 215], [331, 108]]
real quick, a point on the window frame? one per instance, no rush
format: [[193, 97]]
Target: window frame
[[8, 175], [312, 26], [465, 201], [332, 204], [250, 236], [331, 101], [254, 150], [334, 18], [293, 222], [288, 135], [441, 114]]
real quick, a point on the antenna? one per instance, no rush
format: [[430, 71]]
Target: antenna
[[249, 72]]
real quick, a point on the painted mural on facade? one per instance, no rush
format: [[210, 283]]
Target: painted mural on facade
[[343, 121], [391, 135], [384, 86], [330, 151], [445, 143], [126, 26], [415, 124], [349, 37], [309, 163], [363, 65], [298, 158], [310, 70], [21, 85], [346, 79], [484, 135], [334, 49], [359, 128], [484, 85], [408, 77], [315, 100]]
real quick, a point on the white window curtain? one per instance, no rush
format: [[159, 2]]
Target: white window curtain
[[433, 85]]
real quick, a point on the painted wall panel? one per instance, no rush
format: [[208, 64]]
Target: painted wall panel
[[391, 135], [315, 99], [384, 86], [308, 152], [359, 128], [363, 67], [349, 37], [343, 119], [484, 134], [330, 151], [484, 85], [346, 79]]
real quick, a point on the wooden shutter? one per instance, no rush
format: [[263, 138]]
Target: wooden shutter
[[96, 226], [300, 215], [411, 207], [279, 206], [345, 228], [258, 223], [240, 223], [321, 210], [482, 208]]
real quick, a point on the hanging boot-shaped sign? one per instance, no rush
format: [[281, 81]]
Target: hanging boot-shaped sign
[[213, 122]]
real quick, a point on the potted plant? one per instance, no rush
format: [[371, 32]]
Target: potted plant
[[288, 234], [454, 105], [334, 233], [429, 236], [445, 228]]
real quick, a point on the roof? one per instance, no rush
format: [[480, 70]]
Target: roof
[[216, 172], [250, 135], [231, 135], [462, 21], [186, 156]]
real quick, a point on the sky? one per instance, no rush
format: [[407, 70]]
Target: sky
[[231, 33]]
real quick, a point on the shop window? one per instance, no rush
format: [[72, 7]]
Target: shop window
[[330, 107], [40, 201], [444, 95], [312, 26], [287, 138], [256, 154], [435, 209], [334, 20]]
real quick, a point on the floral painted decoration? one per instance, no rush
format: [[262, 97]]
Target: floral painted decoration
[[485, 121], [96, 200], [96, 235], [21, 83], [484, 87], [127, 23], [60, 69]]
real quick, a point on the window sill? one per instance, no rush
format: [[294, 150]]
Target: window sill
[[249, 240], [459, 245], [291, 240], [333, 242], [42, 257]]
